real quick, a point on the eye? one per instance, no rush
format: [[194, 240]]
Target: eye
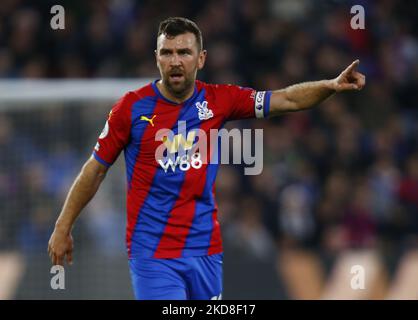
[[184, 52], [165, 53]]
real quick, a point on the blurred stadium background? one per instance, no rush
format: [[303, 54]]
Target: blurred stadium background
[[340, 182]]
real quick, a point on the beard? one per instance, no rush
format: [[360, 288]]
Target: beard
[[179, 87]]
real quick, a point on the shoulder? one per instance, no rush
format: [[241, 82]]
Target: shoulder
[[217, 88], [130, 97], [141, 93]]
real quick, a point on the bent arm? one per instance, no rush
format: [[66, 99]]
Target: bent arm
[[82, 191], [308, 94]]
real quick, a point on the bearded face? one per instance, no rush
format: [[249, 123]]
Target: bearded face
[[178, 59]]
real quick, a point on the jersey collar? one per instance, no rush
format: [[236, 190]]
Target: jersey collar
[[160, 95]]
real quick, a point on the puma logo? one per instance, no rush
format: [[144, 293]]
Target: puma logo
[[148, 119]]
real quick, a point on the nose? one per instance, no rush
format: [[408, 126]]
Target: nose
[[175, 60]]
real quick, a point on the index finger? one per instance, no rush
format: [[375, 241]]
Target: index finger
[[59, 259], [352, 66]]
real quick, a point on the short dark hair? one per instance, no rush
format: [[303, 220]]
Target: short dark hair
[[174, 26]]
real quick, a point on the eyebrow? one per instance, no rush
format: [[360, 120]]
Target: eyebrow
[[181, 50]]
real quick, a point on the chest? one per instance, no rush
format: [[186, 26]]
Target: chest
[[157, 123]]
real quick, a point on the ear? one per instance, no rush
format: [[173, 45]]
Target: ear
[[202, 59], [156, 56]]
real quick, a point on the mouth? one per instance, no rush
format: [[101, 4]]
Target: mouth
[[176, 76]]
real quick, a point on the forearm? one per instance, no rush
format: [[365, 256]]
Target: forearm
[[300, 96], [82, 191]]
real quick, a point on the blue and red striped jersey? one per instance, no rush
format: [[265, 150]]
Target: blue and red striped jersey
[[171, 207]]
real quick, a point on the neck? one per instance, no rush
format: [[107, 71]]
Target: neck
[[172, 97]]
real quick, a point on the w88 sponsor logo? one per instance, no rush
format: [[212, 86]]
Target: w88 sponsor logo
[[183, 162], [191, 149]]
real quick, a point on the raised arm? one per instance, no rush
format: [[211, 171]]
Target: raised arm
[[83, 189], [308, 94]]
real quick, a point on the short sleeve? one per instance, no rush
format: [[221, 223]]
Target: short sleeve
[[116, 132], [248, 103]]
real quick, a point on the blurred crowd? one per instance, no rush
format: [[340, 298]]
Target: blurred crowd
[[343, 175]]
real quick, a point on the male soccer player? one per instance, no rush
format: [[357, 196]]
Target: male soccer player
[[173, 236]]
